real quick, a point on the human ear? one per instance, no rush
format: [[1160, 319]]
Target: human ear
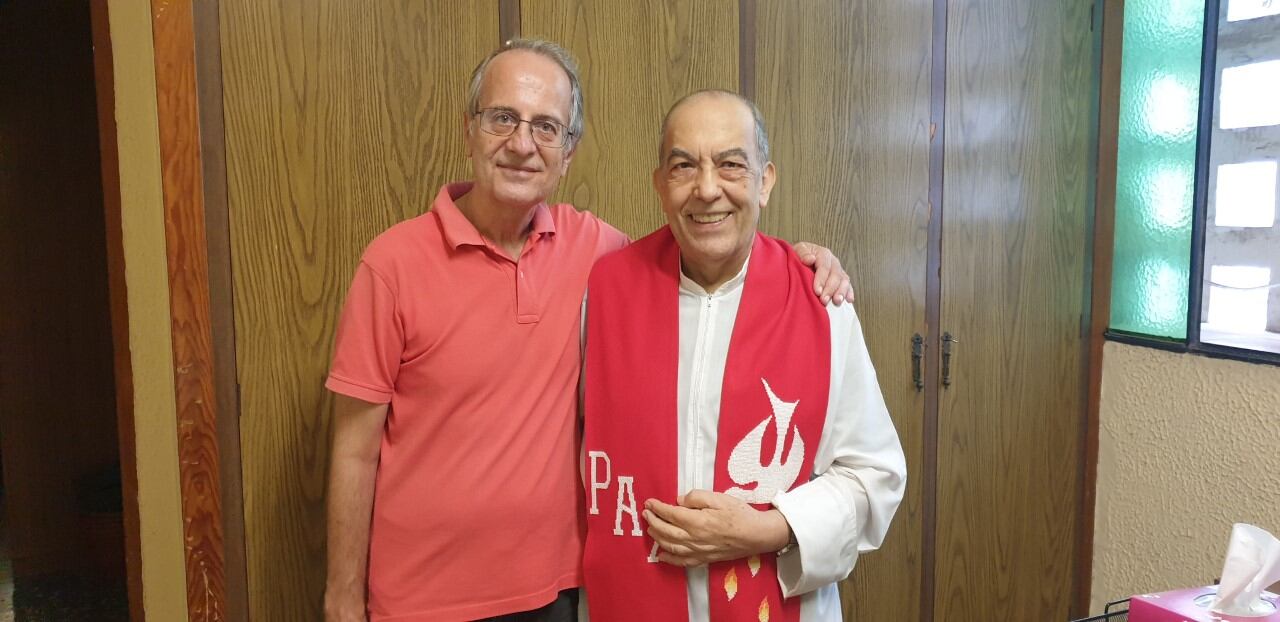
[[767, 177], [466, 134], [568, 156]]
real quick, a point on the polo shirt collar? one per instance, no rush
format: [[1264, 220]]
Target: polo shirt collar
[[458, 231]]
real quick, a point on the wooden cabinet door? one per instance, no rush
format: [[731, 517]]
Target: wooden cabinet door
[[1015, 225], [635, 59], [342, 118], [844, 88]]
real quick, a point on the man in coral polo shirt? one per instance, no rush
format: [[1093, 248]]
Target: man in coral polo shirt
[[453, 489]]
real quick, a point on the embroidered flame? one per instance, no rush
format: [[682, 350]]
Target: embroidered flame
[[753, 563], [731, 583], [763, 613]]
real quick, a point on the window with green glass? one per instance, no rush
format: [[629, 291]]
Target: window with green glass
[[1198, 178], [1156, 165]]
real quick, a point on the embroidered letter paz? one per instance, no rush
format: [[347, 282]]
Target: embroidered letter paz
[[777, 476], [599, 478]]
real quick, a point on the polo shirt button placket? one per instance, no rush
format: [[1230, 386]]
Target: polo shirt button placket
[[526, 306]]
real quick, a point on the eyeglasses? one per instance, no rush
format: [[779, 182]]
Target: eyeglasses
[[503, 122]]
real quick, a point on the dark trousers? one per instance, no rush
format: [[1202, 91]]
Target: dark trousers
[[563, 609]]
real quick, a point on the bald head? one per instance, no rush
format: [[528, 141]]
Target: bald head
[[712, 180], [761, 136]]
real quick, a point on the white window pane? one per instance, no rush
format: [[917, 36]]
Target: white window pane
[[1238, 310], [1246, 195], [1250, 9], [1250, 95]]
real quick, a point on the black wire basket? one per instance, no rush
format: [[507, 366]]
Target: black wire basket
[[1117, 611]]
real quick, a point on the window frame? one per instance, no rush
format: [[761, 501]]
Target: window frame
[[1199, 219]]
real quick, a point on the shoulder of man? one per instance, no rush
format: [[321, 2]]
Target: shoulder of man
[[565, 214], [405, 241], [573, 222]]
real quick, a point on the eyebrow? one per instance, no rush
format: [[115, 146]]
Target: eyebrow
[[677, 152]]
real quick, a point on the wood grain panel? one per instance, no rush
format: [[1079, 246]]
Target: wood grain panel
[[192, 332], [341, 118], [844, 89], [636, 59], [1013, 284], [208, 69]]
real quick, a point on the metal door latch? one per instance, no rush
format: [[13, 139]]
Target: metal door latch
[[947, 340], [917, 356]]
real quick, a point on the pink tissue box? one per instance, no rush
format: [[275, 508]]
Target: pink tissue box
[[1181, 606]]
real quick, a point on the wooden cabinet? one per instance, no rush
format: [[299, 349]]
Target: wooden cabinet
[[939, 147], [1015, 254], [844, 88]]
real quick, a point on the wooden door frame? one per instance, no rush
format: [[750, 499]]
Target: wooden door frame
[[197, 237], [197, 233], [118, 301], [1103, 240], [208, 72]]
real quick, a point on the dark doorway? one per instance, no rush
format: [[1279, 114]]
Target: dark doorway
[[58, 427]]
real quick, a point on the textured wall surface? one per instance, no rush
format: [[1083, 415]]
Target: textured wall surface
[[1188, 445]]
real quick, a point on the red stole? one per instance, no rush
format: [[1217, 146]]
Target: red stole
[[778, 367]]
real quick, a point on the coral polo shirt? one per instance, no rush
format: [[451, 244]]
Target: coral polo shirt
[[476, 508]]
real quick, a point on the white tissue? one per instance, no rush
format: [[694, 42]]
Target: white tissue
[[1253, 563]]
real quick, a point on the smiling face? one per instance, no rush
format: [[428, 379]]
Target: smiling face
[[712, 183], [513, 171]]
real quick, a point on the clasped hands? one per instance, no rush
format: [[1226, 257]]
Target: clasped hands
[[710, 527]]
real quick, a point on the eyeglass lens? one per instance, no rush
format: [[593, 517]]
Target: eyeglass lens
[[503, 122]]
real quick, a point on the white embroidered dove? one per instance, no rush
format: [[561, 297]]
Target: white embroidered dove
[[777, 476]]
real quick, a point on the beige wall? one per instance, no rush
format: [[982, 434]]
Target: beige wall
[[160, 511], [1188, 445]]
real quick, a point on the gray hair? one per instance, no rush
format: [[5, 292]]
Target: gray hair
[[547, 50], [762, 136]]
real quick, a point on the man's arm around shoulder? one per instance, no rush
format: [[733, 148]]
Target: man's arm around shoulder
[[357, 441]]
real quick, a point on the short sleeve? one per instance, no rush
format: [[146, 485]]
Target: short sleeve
[[369, 342]]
